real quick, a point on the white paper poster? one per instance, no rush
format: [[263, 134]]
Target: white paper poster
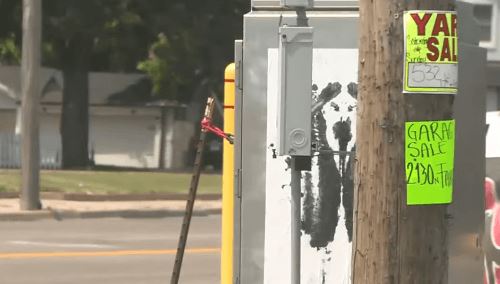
[[493, 134], [328, 189]]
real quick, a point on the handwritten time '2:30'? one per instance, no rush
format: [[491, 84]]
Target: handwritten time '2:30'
[[425, 142]]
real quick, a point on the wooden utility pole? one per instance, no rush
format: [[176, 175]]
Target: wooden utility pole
[[30, 74], [393, 242]]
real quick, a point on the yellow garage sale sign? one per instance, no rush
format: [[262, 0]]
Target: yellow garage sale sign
[[429, 159], [431, 52]]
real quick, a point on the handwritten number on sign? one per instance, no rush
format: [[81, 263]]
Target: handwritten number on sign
[[431, 74], [424, 72], [418, 75], [424, 174]]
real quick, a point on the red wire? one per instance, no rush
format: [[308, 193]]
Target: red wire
[[206, 125]]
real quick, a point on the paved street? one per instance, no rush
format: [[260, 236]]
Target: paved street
[[125, 251]]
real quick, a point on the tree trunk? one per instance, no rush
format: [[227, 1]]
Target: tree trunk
[[75, 109], [393, 242]]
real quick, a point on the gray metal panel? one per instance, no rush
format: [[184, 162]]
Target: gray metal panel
[[467, 210], [468, 29], [238, 83], [493, 169], [317, 3], [493, 74], [332, 30], [295, 77]]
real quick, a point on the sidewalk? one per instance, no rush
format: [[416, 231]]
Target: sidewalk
[[66, 209]]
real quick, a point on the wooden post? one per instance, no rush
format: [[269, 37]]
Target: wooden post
[[193, 188], [393, 242], [30, 74]]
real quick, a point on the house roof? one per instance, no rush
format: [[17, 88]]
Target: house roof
[[104, 88], [10, 80]]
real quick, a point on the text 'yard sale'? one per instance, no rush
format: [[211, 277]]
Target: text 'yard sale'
[[431, 52]]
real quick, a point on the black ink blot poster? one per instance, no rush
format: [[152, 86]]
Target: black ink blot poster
[[328, 189]]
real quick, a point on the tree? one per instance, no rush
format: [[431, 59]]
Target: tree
[[78, 33], [79, 36], [194, 45], [10, 31], [189, 43]]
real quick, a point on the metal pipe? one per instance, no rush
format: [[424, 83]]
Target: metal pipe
[[295, 223]]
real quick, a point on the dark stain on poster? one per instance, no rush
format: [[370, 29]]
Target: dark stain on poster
[[335, 182]]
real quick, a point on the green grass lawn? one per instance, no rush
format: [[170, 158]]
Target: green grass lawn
[[103, 182]]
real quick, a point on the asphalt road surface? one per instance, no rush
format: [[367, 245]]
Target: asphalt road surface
[[124, 251]]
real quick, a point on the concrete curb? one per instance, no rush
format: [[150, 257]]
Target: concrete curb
[[114, 197], [124, 213]]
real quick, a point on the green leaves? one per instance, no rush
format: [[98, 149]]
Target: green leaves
[[156, 66], [170, 66], [195, 44], [178, 43], [10, 52]]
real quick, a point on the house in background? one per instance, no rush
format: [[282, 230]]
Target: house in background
[[125, 129]]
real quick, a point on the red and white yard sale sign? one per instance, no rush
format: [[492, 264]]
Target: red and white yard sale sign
[[431, 52]]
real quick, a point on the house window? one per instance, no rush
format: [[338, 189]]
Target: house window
[[485, 13]]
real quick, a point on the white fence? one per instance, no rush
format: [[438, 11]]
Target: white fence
[[10, 153]]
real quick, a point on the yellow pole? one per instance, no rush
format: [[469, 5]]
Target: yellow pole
[[227, 180]]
